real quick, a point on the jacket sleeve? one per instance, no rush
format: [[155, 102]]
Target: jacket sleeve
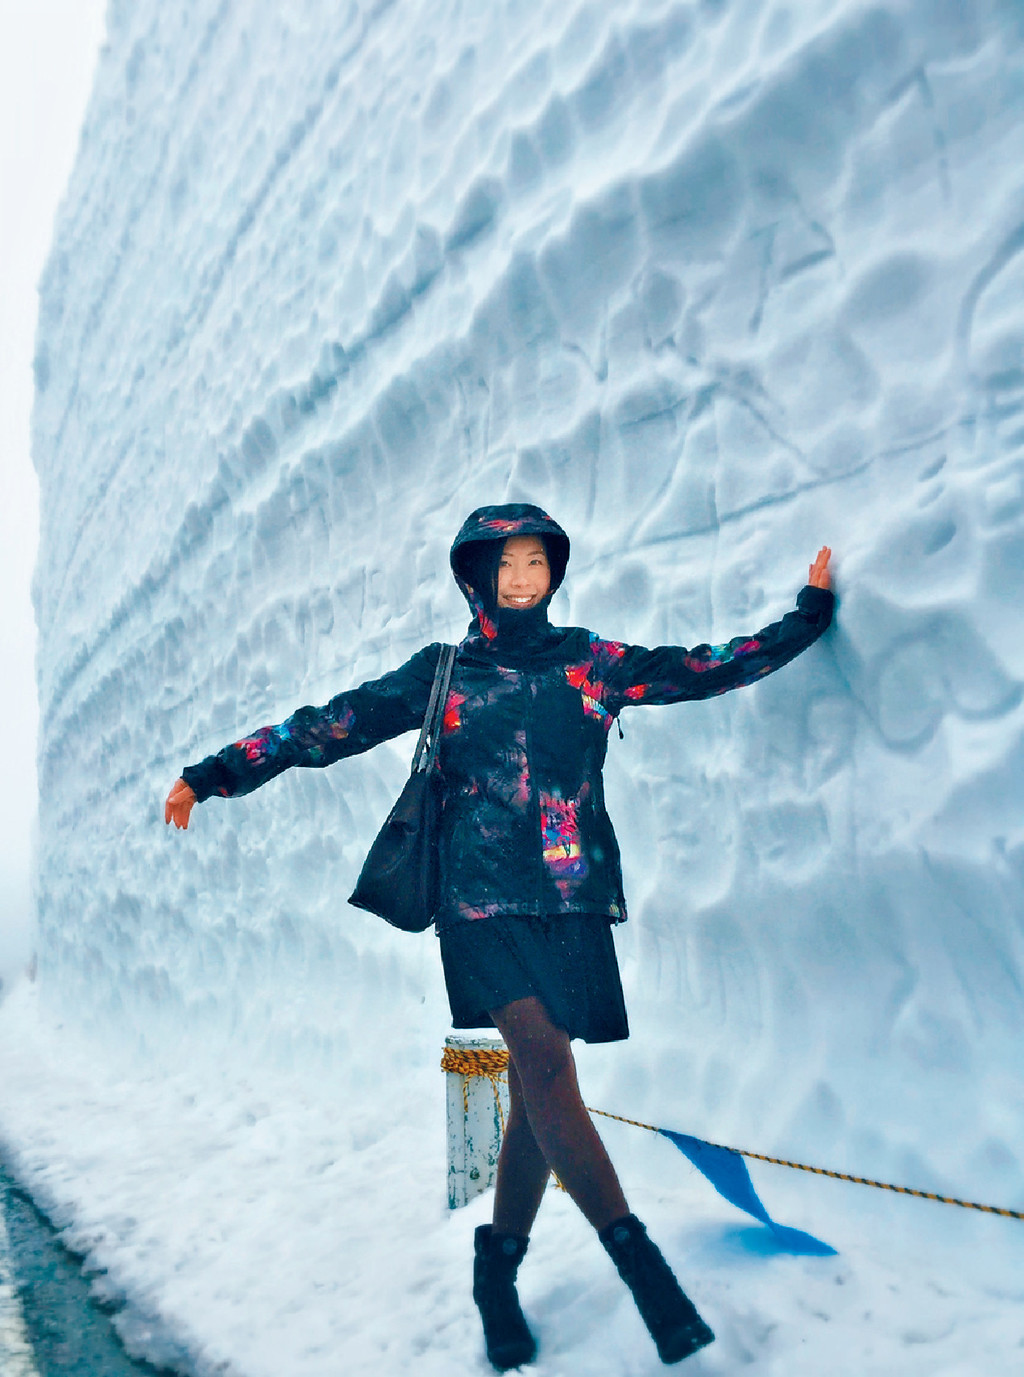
[[672, 674], [314, 737]]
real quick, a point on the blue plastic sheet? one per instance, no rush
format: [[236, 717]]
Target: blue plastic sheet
[[727, 1172]]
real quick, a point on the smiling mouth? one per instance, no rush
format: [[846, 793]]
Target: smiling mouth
[[515, 601]]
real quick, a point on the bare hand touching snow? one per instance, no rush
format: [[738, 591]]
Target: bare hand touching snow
[[818, 575]]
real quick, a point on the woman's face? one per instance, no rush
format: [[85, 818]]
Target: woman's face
[[524, 575]]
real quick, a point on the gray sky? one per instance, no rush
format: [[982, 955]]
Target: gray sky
[[47, 60]]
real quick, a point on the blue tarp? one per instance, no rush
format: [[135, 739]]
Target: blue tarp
[[727, 1172]]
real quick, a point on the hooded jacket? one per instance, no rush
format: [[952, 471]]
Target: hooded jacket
[[525, 731]]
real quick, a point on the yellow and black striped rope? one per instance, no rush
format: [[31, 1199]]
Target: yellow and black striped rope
[[475, 1061], [493, 1064], [836, 1175], [489, 1062]]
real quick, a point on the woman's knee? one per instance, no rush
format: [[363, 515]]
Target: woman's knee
[[540, 1054], [541, 1068]]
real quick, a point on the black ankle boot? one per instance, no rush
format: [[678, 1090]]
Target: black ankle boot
[[496, 1260], [667, 1311]]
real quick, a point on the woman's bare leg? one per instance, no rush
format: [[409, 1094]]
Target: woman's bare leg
[[522, 1168], [561, 1129]]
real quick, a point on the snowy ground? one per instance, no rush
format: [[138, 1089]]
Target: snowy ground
[[261, 1229], [50, 1322], [714, 281]]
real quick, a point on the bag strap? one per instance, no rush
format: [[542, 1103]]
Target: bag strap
[[424, 755]]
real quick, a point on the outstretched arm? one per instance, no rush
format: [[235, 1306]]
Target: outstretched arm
[[673, 674], [312, 737]]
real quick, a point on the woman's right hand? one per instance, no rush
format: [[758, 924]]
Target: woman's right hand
[[180, 802]]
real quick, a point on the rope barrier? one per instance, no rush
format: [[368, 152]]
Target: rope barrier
[[475, 1061], [489, 1062], [836, 1175], [492, 1064]]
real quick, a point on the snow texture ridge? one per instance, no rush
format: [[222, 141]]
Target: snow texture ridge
[[713, 282]]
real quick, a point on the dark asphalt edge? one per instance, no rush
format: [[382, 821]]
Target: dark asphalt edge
[[30, 1227]]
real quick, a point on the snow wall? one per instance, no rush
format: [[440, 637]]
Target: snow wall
[[714, 283]]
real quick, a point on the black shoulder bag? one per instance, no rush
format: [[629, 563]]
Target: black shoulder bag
[[400, 878]]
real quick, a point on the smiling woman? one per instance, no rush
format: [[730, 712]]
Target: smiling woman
[[524, 574], [530, 879]]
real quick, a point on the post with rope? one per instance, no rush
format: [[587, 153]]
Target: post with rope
[[476, 1077]]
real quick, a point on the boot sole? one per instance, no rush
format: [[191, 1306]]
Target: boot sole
[[685, 1342], [511, 1355]]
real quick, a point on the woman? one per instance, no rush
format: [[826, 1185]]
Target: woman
[[531, 883]]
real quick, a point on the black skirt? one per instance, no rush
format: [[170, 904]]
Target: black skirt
[[566, 959]]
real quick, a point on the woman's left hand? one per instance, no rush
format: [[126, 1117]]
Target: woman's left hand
[[819, 576]]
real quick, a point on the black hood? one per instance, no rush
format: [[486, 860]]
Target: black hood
[[477, 549]]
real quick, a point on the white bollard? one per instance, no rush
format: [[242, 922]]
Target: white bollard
[[477, 1093]]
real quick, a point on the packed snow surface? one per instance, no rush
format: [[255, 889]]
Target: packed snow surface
[[713, 282]]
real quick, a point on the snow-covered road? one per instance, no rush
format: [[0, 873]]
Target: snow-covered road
[[49, 1325]]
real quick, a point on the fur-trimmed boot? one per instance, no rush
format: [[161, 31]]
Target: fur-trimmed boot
[[496, 1260], [667, 1311]]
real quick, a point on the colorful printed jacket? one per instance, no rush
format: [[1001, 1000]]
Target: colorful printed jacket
[[525, 733]]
